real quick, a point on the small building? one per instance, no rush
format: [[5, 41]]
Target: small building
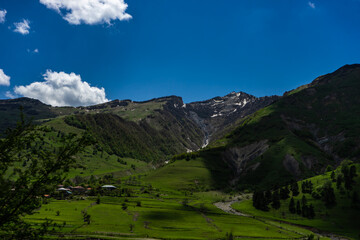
[[78, 190], [108, 187], [64, 190]]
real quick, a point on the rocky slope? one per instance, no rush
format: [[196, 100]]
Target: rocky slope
[[300, 134], [214, 116], [174, 126]]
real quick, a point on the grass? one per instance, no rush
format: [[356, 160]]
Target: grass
[[100, 164], [176, 207], [58, 124], [183, 175], [69, 212], [138, 111], [164, 218], [341, 219], [168, 210]]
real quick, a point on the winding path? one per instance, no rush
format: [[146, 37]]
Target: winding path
[[226, 207]]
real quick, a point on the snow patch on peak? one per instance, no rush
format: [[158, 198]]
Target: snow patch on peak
[[216, 115]]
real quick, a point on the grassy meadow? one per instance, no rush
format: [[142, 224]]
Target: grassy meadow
[[342, 219], [167, 203]]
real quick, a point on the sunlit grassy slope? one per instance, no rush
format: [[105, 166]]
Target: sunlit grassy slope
[[342, 219], [161, 215]]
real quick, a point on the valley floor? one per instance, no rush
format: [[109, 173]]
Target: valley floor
[[160, 215]]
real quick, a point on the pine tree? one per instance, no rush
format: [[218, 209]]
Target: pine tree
[[339, 181], [311, 214], [255, 199], [352, 171], [292, 208], [298, 207], [276, 200], [295, 189], [347, 176], [333, 178], [268, 197], [284, 193], [310, 187], [259, 201], [305, 210], [328, 195], [303, 200]]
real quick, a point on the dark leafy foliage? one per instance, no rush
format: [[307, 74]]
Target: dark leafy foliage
[[28, 171]]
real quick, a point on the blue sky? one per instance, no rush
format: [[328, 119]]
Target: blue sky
[[194, 49]]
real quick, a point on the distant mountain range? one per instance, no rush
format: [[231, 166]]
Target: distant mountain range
[[179, 127], [263, 141]]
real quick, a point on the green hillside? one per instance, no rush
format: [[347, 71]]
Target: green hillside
[[299, 135], [193, 172], [339, 214]]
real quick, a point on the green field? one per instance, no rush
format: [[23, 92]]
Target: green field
[[162, 204], [163, 217], [342, 219]]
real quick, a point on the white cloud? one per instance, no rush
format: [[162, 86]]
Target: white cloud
[[4, 79], [312, 5], [9, 94], [22, 27], [34, 51], [63, 89], [2, 15], [89, 11]]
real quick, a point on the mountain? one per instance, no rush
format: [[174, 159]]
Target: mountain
[[259, 142], [299, 135], [32, 108], [216, 115], [152, 130]]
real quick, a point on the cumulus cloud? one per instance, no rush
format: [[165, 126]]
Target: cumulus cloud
[[2, 15], [4, 79], [22, 27], [9, 94], [36, 50], [312, 5], [89, 11], [63, 89]]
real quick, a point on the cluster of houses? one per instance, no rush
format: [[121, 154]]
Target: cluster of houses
[[79, 190]]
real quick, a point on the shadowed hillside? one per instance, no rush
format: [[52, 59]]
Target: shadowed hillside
[[299, 135]]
